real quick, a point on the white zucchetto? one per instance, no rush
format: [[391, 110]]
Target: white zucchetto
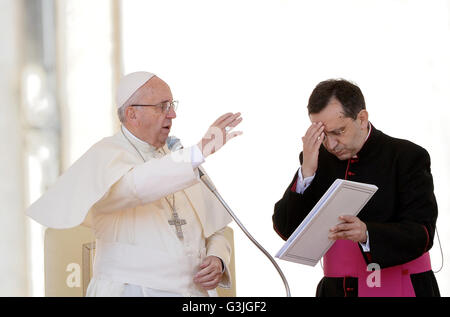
[[129, 84]]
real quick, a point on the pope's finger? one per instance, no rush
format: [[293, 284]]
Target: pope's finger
[[232, 125], [211, 284], [227, 121], [228, 117], [208, 278], [222, 117], [204, 272], [205, 278], [235, 122], [204, 264], [233, 135]]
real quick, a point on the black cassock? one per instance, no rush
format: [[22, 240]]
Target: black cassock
[[400, 217]]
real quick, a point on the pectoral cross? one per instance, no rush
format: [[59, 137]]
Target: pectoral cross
[[177, 222]]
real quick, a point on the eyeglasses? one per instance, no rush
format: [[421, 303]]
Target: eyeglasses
[[335, 133], [164, 106]]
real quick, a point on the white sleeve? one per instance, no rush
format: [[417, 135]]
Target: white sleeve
[[197, 157], [302, 184], [366, 246], [152, 181]]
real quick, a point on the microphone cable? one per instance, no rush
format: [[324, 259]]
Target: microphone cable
[[213, 189]]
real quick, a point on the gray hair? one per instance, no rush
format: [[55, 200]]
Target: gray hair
[[134, 99], [121, 113]]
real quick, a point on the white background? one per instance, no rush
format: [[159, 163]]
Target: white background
[[263, 58]]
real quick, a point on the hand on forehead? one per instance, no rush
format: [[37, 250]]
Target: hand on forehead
[[332, 116]]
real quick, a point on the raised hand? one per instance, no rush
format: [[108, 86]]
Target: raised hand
[[219, 133]]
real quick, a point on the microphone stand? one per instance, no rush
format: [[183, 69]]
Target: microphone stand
[[213, 189]]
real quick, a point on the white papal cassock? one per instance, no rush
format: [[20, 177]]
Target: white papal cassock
[[123, 199]]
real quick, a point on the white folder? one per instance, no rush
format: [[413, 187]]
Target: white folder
[[310, 242]]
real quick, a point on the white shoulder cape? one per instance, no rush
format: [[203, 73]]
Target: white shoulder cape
[[68, 202]]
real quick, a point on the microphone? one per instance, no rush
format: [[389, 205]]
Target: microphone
[[174, 144]]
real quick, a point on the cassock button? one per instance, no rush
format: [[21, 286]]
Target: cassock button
[[405, 272]]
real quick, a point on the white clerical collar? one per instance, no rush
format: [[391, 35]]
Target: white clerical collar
[[140, 144], [368, 134]]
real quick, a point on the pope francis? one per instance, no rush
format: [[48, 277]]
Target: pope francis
[[159, 230]]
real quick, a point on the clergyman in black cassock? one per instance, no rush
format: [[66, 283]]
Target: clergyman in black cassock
[[399, 220]]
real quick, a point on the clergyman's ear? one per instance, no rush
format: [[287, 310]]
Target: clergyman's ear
[[363, 117]]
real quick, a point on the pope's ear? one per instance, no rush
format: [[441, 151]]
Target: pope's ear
[[130, 113]]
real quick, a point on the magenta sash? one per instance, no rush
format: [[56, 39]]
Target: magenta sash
[[344, 259]]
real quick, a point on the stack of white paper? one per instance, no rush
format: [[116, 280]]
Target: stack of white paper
[[310, 242]]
